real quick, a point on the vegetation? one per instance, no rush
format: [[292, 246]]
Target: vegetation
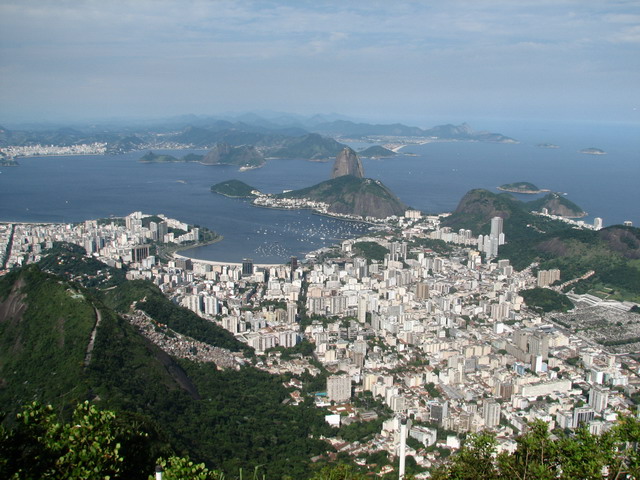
[[352, 195], [151, 300], [233, 189], [370, 251], [519, 187], [217, 417], [556, 205], [155, 158], [72, 263], [545, 300], [376, 151], [612, 253], [225, 154], [581, 456]]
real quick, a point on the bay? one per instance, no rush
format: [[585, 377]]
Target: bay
[[77, 188]]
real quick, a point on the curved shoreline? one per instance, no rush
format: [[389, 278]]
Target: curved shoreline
[[526, 192]]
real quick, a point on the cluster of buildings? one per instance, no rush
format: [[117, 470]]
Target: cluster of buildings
[[37, 150], [443, 340], [113, 241]]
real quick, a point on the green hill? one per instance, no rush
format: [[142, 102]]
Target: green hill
[[234, 189], [556, 204], [376, 151], [242, 156], [612, 252], [156, 158], [230, 419], [347, 194], [519, 187]]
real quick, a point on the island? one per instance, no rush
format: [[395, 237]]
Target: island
[[159, 158], [593, 151], [244, 156], [234, 189], [377, 151], [521, 187], [547, 145]]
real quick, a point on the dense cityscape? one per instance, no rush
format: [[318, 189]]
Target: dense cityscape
[[444, 340]]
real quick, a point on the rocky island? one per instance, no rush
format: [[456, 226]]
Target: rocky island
[[521, 187], [547, 145], [593, 151]]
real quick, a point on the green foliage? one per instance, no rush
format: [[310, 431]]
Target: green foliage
[[71, 262], [581, 456], [158, 158], [370, 250], [339, 472], [352, 195], [546, 300], [360, 431], [519, 186], [43, 343], [179, 319], [41, 446], [234, 189], [180, 468]]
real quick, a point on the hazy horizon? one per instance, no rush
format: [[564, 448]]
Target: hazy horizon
[[411, 62]]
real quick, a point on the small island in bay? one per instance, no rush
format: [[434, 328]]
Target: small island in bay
[[234, 189], [159, 158], [547, 145], [521, 187], [377, 151], [593, 151]]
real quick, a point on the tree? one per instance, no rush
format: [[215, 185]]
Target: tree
[[578, 455], [40, 446]]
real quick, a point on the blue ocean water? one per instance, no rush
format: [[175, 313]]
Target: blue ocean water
[[76, 188]]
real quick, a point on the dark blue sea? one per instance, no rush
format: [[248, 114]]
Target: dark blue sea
[[76, 188]]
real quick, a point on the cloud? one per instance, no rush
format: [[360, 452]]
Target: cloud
[[336, 52]]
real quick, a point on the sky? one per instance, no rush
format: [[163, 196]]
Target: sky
[[411, 61]]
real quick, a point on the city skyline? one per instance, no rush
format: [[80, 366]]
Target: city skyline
[[411, 62]]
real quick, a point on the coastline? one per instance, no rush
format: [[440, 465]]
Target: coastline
[[526, 192], [218, 263]]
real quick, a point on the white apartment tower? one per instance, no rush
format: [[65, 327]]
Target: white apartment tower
[[339, 388]]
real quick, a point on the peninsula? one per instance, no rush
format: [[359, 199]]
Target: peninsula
[[346, 195]]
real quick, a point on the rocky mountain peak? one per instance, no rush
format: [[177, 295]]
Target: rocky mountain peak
[[347, 163]]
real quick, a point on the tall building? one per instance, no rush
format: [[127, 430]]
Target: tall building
[[362, 309], [491, 414], [292, 311], [339, 388], [583, 415], [139, 252], [422, 291], [547, 277], [247, 267], [496, 226], [597, 223], [598, 398]]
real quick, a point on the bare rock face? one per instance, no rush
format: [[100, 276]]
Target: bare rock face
[[347, 163]]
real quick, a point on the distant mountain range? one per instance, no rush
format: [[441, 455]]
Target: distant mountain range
[[283, 137]]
